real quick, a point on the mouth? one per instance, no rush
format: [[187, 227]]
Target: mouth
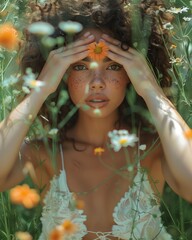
[[97, 101]]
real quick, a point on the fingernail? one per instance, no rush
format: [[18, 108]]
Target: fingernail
[[91, 36], [86, 34]]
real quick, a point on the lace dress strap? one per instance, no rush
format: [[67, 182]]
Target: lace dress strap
[[62, 180]]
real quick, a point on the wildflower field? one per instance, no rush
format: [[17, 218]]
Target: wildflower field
[[19, 208]]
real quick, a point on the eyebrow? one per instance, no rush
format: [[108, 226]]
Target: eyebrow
[[88, 59]]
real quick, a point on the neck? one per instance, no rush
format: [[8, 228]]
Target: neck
[[94, 131]]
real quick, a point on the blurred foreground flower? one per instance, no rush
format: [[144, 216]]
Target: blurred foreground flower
[[122, 138], [56, 234], [30, 80], [70, 27], [25, 196], [23, 236], [8, 36], [142, 147], [94, 65], [97, 51], [99, 151], [41, 28], [53, 131], [188, 134], [66, 229]]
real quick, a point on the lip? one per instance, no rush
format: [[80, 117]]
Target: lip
[[97, 97]]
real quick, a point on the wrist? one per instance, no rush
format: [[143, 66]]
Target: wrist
[[151, 92], [39, 96]]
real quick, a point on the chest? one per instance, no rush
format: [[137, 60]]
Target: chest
[[99, 183]]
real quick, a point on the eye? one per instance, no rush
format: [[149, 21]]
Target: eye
[[114, 67], [79, 67]]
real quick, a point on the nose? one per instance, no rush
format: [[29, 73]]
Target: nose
[[97, 83]]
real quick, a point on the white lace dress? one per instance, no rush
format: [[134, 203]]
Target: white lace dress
[[136, 216]]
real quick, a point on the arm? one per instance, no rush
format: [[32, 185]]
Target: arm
[[15, 127], [13, 131], [177, 165], [177, 148]]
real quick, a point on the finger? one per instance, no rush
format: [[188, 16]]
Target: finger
[[115, 49], [88, 38], [77, 57], [116, 42], [74, 51], [111, 40], [81, 42], [117, 58]]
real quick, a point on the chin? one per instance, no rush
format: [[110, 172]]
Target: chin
[[99, 113]]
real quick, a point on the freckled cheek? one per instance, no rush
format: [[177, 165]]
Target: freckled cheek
[[76, 87], [115, 82]]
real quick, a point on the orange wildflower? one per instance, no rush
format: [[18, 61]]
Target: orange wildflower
[[188, 134], [56, 234], [25, 196], [80, 204], [97, 51], [99, 151], [8, 36], [69, 227], [23, 236]]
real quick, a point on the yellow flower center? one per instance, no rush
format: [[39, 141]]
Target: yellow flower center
[[98, 49], [98, 151], [123, 141], [33, 83]]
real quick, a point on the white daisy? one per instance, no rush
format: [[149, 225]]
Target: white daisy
[[178, 10], [30, 80], [121, 138], [187, 19], [70, 27], [41, 28]]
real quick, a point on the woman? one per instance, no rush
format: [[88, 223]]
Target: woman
[[120, 198]]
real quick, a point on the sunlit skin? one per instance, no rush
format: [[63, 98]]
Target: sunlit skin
[[85, 171], [109, 79]]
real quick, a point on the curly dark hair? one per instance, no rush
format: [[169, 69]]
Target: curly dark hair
[[114, 15]]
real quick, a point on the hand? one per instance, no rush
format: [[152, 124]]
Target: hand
[[60, 59], [134, 64]]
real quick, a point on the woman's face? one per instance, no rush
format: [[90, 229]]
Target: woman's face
[[102, 87]]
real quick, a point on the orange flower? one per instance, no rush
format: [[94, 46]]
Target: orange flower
[[56, 234], [80, 204], [23, 236], [69, 227], [66, 228], [188, 134], [8, 36], [97, 51], [25, 196], [99, 151]]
